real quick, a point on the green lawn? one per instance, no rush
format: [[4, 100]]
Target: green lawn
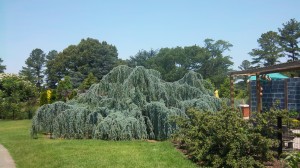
[[43, 152]]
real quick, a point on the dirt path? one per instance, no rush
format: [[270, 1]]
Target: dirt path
[[6, 160]]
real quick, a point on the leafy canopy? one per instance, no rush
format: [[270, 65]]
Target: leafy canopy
[[77, 61], [18, 97], [173, 63]]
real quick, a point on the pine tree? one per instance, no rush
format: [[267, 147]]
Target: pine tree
[[2, 67], [269, 51], [289, 38], [34, 69]]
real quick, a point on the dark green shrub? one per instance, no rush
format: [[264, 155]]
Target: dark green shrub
[[43, 98], [224, 139], [292, 160]]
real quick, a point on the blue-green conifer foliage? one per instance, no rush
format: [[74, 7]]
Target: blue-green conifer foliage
[[128, 103]]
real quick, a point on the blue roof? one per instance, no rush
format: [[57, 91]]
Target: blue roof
[[273, 76]]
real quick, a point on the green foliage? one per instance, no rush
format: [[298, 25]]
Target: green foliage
[[128, 103], [170, 62], [209, 85], [142, 58], [224, 139], [289, 38], [43, 98], [292, 160], [245, 65], [50, 72], [224, 90], [266, 122], [2, 67], [77, 61], [47, 97], [241, 89], [64, 89], [34, 67], [173, 63], [294, 123], [269, 51], [18, 97], [87, 83], [215, 65]]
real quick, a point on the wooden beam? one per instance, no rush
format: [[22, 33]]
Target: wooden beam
[[231, 91], [289, 66]]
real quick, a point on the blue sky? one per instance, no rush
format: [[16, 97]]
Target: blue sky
[[132, 25]]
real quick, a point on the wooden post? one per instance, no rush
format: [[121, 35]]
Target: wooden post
[[231, 92], [258, 93]]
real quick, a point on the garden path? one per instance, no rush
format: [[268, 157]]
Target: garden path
[[6, 160]]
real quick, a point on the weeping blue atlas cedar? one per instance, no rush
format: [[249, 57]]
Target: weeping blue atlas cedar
[[128, 103]]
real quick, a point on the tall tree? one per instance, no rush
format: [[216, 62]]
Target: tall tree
[[289, 38], [209, 61], [216, 65], [269, 50], [218, 48], [165, 63], [77, 61], [34, 69], [51, 75], [28, 74], [245, 65], [2, 67], [142, 58]]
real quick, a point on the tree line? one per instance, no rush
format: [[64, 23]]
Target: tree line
[[74, 69]]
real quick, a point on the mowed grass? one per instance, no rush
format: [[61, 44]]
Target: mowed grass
[[43, 152]]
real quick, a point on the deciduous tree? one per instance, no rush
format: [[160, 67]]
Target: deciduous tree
[[18, 97], [77, 61], [209, 61], [142, 58]]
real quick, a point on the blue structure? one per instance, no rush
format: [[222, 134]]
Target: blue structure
[[282, 93]]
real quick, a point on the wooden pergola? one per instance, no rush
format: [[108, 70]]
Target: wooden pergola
[[290, 66]]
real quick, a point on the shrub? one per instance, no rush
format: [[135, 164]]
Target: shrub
[[43, 98], [223, 139], [18, 97], [292, 160]]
